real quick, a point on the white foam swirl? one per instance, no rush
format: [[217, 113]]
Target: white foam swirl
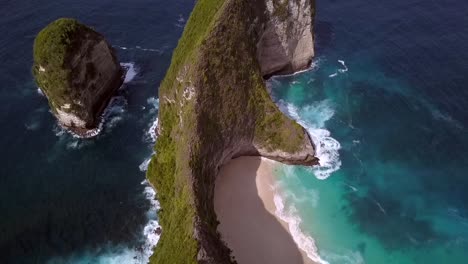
[[132, 71], [313, 118], [304, 242], [117, 254]]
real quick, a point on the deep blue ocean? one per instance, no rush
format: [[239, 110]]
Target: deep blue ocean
[[67, 200], [386, 101]]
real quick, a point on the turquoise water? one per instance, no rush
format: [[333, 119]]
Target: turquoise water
[[394, 197], [392, 96], [393, 179]]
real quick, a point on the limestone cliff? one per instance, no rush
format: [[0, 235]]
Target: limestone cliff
[[78, 71], [286, 41], [214, 106]]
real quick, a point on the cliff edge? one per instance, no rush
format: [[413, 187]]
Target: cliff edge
[[78, 72], [214, 106]]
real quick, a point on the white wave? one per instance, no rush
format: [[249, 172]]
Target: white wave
[[342, 70], [350, 257], [149, 231], [72, 144], [154, 104], [313, 65], [117, 254], [39, 91], [132, 71], [113, 111], [144, 165], [151, 135], [59, 130], [152, 50], [311, 197], [115, 107], [181, 19], [303, 241], [152, 130], [313, 118], [160, 51], [345, 68], [180, 22], [300, 195]]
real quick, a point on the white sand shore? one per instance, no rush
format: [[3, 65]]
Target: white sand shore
[[246, 212]]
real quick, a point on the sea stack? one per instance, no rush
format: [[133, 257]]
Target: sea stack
[[78, 72], [214, 106]]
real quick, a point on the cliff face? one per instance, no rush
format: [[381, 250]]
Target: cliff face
[[214, 106], [286, 41], [78, 72]]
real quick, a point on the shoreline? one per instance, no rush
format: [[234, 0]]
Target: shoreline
[[244, 203]]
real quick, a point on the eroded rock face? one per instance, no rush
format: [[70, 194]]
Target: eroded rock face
[[286, 41], [78, 71], [214, 106]]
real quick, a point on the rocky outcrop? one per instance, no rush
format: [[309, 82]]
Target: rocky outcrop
[[78, 72], [214, 106], [286, 41]]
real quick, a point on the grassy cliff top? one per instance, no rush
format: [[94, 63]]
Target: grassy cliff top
[[53, 47], [213, 100], [54, 41]]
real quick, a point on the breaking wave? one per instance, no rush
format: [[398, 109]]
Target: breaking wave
[[112, 114], [151, 135], [343, 69], [159, 51], [290, 216], [131, 71], [110, 117], [180, 22], [117, 254], [313, 118]]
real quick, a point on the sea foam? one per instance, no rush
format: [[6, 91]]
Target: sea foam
[[304, 242], [112, 114], [313, 118], [343, 69], [150, 134], [131, 71], [160, 51], [117, 254]]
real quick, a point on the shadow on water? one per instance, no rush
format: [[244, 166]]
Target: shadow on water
[[252, 232]]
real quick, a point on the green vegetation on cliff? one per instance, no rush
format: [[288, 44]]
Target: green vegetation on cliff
[[52, 48], [177, 244], [212, 100]]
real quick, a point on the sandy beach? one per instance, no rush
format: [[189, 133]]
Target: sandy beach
[[246, 211]]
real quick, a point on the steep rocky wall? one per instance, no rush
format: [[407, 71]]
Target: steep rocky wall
[[78, 72], [286, 41], [214, 106]]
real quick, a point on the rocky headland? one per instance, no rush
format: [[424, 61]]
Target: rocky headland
[[214, 106], [78, 72]]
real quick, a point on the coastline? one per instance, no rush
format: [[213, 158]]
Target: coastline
[[245, 206]]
